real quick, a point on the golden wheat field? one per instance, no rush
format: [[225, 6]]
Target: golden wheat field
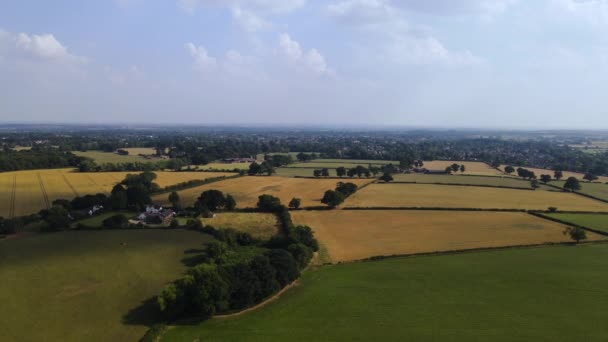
[[471, 168], [27, 192], [259, 225], [566, 174], [440, 196], [350, 235], [247, 189]]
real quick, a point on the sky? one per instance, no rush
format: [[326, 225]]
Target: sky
[[399, 63]]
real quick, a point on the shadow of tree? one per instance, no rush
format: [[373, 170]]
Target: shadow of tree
[[146, 313]]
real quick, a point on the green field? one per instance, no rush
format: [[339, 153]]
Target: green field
[[331, 165], [539, 294], [97, 220], [83, 286], [593, 221], [110, 157], [356, 161], [464, 180], [599, 190], [299, 172]]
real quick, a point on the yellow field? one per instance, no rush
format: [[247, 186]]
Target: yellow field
[[37, 189], [471, 168], [247, 189], [439, 196], [567, 174], [259, 225], [134, 151], [353, 235]]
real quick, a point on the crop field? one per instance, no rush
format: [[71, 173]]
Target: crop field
[[101, 157], [27, 192], [223, 166], [465, 180], [247, 189], [471, 168], [259, 225], [358, 234], [593, 221], [86, 286], [440, 196], [548, 294], [599, 190], [566, 174], [300, 172]]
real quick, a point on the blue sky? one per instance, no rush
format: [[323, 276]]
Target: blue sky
[[422, 63]]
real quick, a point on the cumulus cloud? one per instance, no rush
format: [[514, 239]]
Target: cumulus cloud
[[202, 61], [311, 60], [40, 47]]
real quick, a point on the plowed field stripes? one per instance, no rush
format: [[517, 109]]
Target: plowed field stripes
[[70, 185], [44, 194], [11, 211]]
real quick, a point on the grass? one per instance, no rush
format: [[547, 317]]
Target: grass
[[332, 165], [593, 221], [441, 196], [471, 168], [101, 157], [247, 189], [357, 234], [362, 162], [259, 225], [465, 180], [553, 294], [599, 190], [223, 166], [87, 285], [32, 185], [97, 220], [566, 174]]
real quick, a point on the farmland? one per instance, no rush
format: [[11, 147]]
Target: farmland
[[471, 168], [555, 294], [222, 166], [438, 196], [101, 157], [334, 164], [27, 192], [464, 180], [82, 286], [358, 234], [259, 225], [599, 190], [593, 221], [566, 174], [247, 189]]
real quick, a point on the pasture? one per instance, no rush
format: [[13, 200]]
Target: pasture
[[27, 192], [599, 190], [471, 168], [552, 294], [593, 221], [247, 189], [538, 172], [363, 162], [358, 234], [259, 225], [222, 166], [333, 165], [101, 157], [441, 196], [86, 285], [464, 180]]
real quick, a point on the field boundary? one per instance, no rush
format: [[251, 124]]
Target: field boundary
[[11, 210], [469, 250], [45, 196], [540, 215]]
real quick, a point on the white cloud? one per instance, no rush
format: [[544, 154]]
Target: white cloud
[[265, 6], [248, 20], [593, 11], [44, 47], [202, 61], [312, 60]]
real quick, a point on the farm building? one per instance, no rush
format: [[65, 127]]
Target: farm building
[[156, 214]]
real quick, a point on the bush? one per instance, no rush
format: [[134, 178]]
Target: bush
[[116, 221], [268, 203], [552, 209]]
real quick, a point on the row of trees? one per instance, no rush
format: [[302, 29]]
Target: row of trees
[[334, 198], [455, 168]]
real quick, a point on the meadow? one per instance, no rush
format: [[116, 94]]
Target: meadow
[[471, 168], [566, 174], [599, 190], [27, 192], [247, 189], [593, 221], [222, 166], [358, 234], [86, 285], [440, 196], [553, 294], [464, 180], [259, 225]]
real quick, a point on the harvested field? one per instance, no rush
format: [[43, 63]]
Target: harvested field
[[357, 234], [440, 196], [471, 168], [465, 180], [247, 189], [566, 174], [37, 189]]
